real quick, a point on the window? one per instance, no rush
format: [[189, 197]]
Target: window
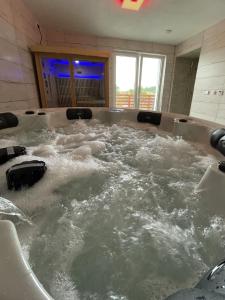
[[126, 81], [138, 80]]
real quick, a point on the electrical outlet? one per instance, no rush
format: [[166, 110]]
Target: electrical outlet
[[206, 92], [220, 93]]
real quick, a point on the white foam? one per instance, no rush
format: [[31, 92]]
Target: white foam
[[9, 209], [70, 139], [44, 151], [95, 146], [60, 170], [63, 288], [81, 152], [8, 143]]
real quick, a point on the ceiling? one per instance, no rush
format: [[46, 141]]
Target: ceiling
[[106, 18]]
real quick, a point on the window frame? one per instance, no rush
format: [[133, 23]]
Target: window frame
[[72, 54], [139, 65]]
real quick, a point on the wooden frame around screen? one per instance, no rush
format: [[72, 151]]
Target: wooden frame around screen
[[71, 54]]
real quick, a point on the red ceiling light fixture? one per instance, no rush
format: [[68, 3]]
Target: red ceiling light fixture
[[132, 4]]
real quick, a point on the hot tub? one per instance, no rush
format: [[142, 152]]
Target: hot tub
[[130, 206]]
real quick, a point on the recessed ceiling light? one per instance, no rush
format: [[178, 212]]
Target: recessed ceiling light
[[132, 4]]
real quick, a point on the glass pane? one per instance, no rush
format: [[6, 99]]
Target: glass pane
[[150, 76], [125, 81], [57, 81], [89, 83]]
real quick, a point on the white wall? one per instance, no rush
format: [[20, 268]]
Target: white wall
[[18, 31], [71, 39], [210, 74]]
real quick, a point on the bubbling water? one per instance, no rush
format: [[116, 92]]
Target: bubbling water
[[115, 216], [8, 209]]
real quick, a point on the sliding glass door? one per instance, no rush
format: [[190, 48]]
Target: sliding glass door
[[149, 83], [126, 81], [138, 81]]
